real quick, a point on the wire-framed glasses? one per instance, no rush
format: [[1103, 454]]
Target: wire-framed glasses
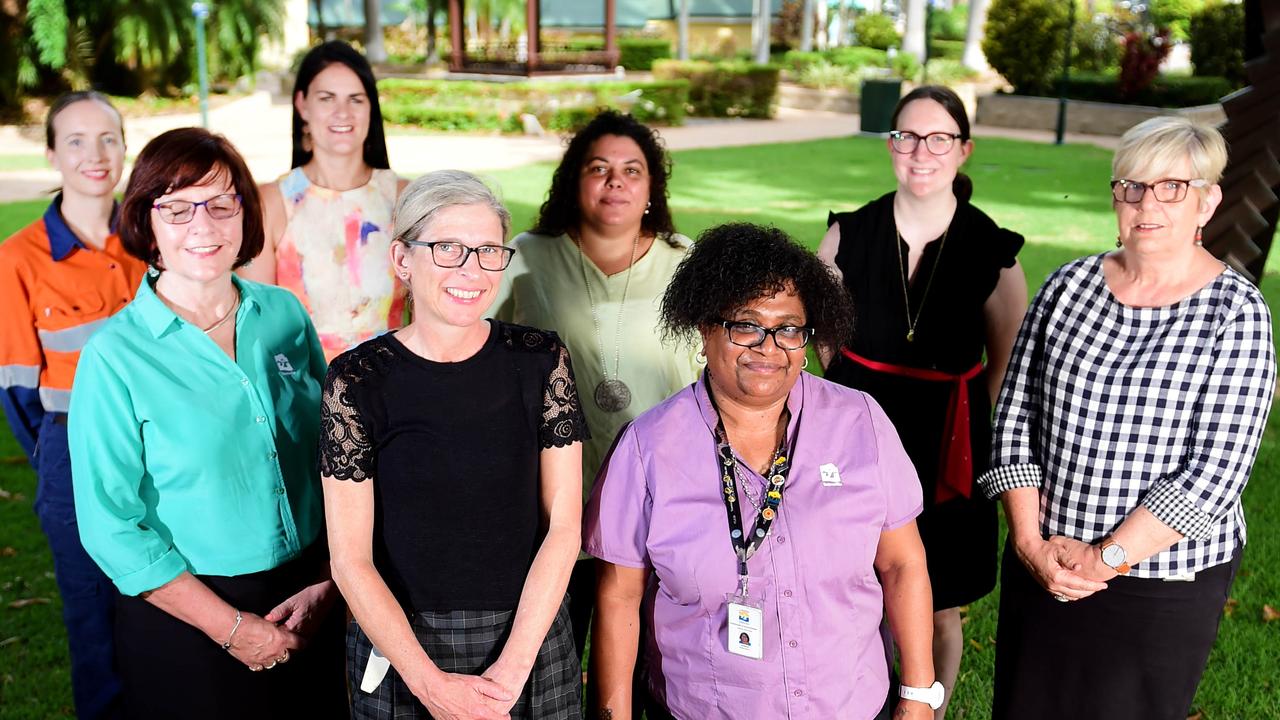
[[939, 143], [749, 334], [450, 254], [1166, 190], [181, 212]]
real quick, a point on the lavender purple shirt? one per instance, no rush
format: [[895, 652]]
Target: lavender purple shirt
[[657, 505]]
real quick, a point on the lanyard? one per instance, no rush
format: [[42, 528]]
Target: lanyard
[[746, 545]]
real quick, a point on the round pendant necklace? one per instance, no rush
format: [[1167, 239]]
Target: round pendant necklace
[[611, 395], [906, 296]]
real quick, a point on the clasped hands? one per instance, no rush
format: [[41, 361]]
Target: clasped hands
[[1067, 568], [262, 642], [490, 696]]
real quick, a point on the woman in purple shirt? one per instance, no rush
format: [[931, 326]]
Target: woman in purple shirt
[[762, 517]]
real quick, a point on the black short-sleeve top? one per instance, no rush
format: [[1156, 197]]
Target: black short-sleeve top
[[452, 450]]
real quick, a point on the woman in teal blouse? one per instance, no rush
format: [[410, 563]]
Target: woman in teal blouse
[[193, 428]]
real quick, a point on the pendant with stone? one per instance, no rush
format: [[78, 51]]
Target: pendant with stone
[[612, 395]]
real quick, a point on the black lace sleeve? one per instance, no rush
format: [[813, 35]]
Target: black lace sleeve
[[346, 451], [562, 420]]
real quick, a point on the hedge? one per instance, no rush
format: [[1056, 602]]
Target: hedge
[[559, 106], [727, 89], [852, 58], [634, 53], [946, 49], [1169, 91]]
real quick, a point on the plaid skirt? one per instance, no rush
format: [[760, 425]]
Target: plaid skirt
[[468, 642]]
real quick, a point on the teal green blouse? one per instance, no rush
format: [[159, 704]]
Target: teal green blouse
[[184, 459]]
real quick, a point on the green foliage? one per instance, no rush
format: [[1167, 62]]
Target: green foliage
[[825, 76], [949, 24], [876, 31], [48, 22], [1169, 91], [945, 71], [563, 106], [906, 66], [1175, 15], [946, 49], [638, 53], [1024, 41], [1095, 48], [850, 58], [726, 89], [1217, 41]]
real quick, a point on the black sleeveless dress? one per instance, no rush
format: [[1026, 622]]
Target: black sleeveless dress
[[960, 534]]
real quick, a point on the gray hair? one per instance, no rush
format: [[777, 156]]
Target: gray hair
[[1151, 148], [425, 197]]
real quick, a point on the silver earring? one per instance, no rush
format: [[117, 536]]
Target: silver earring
[[805, 364], [152, 271], [646, 207]]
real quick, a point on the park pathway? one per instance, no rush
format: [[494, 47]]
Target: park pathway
[[259, 126]]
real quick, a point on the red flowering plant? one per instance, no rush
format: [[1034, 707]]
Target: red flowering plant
[[1143, 53]]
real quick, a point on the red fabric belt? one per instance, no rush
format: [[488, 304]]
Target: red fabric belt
[[955, 464]]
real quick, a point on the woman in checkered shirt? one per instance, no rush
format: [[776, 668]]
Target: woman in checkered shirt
[[1125, 432]]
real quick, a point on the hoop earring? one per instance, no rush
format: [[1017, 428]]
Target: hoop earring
[[1200, 236], [805, 364], [701, 357]]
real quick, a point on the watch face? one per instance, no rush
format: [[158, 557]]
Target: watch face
[[1113, 555]]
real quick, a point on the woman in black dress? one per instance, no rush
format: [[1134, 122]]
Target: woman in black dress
[[936, 285], [451, 458]]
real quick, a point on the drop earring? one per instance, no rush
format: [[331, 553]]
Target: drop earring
[[1118, 243], [306, 138], [646, 207], [1200, 236]]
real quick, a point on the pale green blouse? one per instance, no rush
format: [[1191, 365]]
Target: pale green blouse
[[543, 288]]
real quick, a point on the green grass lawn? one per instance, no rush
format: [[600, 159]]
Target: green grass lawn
[[1056, 196]]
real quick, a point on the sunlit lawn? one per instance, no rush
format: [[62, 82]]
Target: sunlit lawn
[[1056, 196]]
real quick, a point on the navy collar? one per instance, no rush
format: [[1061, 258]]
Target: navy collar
[[62, 241]]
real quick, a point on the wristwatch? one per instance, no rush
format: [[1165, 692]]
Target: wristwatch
[[931, 696], [1114, 557]]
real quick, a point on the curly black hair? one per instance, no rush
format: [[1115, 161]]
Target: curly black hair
[[735, 264], [560, 213]]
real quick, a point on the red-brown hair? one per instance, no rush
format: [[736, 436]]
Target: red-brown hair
[[177, 159]]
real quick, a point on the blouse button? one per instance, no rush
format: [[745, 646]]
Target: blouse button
[[261, 419], [782, 539], [786, 593], [280, 491], [272, 454], [244, 381], [798, 693]]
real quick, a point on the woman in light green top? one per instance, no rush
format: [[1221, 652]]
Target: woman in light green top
[[594, 268]]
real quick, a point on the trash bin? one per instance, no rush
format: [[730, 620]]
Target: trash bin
[[879, 97]]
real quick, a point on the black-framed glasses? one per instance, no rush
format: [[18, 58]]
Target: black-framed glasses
[[749, 335], [939, 143], [1165, 190], [181, 212], [450, 254]]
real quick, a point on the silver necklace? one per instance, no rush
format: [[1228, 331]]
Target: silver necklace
[[226, 316], [611, 395]]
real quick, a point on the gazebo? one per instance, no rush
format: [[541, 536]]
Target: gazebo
[[534, 58]]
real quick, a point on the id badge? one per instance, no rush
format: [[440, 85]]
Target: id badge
[[745, 634]]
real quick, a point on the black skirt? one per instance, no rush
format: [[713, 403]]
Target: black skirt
[[1133, 651], [169, 669], [468, 642]]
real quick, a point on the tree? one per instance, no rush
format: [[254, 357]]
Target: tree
[[1024, 42], [973, 57], [913, 36], [374, 48]]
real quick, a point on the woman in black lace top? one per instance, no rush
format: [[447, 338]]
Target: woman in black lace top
[[451, 455]]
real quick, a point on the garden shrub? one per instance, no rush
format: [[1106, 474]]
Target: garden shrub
[[638, 53], [1024, 40], [945, 71], [1175, 15], [1217, 41], [949, 24], [856, 58], [1143, 54], [876, 31], [946, 49], [1167, 91], [1095, 48], [455, 105], [726, 89], [799, 60], [906, 66]]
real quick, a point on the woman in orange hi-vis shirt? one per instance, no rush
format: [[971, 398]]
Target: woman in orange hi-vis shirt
[[60, 278]]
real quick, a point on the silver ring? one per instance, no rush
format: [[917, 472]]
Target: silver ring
[[1061, 598], [273, 664]]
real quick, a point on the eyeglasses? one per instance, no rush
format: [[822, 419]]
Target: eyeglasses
[[939, 143], [749, 335], [1168, 190], [449, 254], [181, 212]]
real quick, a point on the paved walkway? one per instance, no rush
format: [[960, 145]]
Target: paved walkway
[[259, 126]]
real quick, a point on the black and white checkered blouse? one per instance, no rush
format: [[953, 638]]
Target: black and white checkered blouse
[[1106, 407]]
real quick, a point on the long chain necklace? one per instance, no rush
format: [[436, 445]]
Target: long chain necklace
[[225, 317], [611, 395], [906, 296]]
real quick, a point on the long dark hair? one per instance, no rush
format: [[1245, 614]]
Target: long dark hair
[[319, 58], [560, 213], [951, 102]]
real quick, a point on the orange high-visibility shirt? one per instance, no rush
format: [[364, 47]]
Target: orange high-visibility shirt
[[55, 291]]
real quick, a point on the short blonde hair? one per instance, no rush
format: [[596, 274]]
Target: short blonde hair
[[1151, 148], [425, 197]]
